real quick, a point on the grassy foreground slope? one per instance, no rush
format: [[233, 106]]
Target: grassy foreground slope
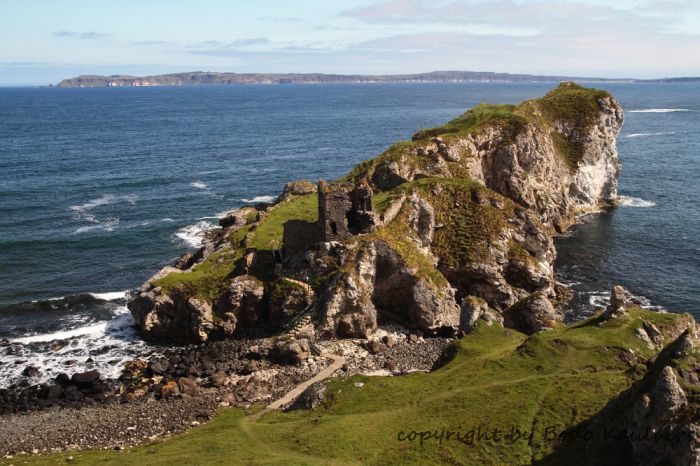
[[490, 379]]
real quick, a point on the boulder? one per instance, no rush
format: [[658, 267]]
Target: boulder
[[296, 188], [187, 260], [532, 314], [159, 366], [187, 386], [290, 352], [250, 367], [618, 303], [374, 347], [473, 310], [31, 371], [169, 390], [311, 398], [664, 428], [238, 217], [218, 378], [85, 378]]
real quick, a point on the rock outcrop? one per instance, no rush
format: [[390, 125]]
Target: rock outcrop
[[555, 155], [461, 213], [473, 310], [532, 314]]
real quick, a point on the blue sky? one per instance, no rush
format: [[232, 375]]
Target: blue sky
[[43, 41]]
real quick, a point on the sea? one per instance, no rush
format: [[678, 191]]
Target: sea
[[100, 188]]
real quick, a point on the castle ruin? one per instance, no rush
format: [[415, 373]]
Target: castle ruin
[[344, 210]]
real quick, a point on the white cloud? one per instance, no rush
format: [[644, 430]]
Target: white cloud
[[81, 35]]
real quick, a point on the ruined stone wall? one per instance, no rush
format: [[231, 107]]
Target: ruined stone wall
[[334, 203], [299, 235]]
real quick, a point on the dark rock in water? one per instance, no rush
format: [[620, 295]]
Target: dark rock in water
[[86, 377], [62, 379], [31, 371]]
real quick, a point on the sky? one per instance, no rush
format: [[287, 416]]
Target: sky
[[44, 41]]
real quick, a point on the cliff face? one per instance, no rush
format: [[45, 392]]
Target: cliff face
[[555, 155], [211, 78], [464, 211]]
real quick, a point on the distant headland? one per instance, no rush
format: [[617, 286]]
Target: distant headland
[[211, 78]]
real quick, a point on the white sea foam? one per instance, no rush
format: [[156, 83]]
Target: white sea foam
[[199, 185], [257, 199], [642, 135], [104, 346], [192, 235], [106, 225], [48, 299], [628, 201], [110, 296], [105, 199], [658, 110], [85, 212], [601, 299]]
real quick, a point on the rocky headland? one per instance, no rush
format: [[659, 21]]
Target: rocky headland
[[213, 78], [429, 235], [437, 256]]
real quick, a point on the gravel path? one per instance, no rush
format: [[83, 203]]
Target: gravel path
[[293, 394], [111, 426]]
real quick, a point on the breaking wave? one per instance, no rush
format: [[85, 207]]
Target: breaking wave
[[258, 199], [628, 201], [192, 235], [85, 212], [641, 135], [77, 342], [199, 185], [658, 110]]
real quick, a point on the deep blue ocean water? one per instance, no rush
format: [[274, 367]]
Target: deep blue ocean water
[[99, 188]]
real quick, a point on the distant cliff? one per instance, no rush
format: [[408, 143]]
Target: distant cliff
[[201, 77]]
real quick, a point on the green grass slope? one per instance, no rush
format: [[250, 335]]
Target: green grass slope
[[491, 379]]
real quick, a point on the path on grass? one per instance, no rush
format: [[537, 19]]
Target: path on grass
[[295, 392]]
